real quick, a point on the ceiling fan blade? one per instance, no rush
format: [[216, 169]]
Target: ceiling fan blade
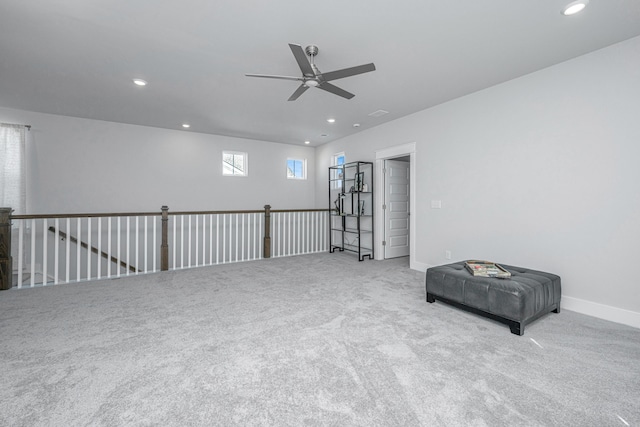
[[335, 90], [348, 72], [269, 76], [301, 59], [301, 89]]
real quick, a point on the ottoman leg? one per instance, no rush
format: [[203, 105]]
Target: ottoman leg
[[430, 298], [517, 328]]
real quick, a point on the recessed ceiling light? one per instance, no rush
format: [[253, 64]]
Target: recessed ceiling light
[[331, 120], [574, 7], [356, 125], [186, 125], [324, 135], [307, 142], [140, 82]]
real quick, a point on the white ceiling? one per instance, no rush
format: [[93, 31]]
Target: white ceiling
[[77, 57]]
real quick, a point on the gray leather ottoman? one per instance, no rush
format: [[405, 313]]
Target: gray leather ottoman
[[517, 301]]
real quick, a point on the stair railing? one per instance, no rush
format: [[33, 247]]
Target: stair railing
[[111, 245]]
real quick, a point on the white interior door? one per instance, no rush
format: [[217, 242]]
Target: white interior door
[[396, 208]]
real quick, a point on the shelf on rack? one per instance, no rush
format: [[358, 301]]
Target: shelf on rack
[[351, 230], [353, 248], [351, 215]]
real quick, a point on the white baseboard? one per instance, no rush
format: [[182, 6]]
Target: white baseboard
[[601, 311], [420, 266]]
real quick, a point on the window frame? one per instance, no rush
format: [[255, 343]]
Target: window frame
[[304, 168], [245, 156], [337, 183]]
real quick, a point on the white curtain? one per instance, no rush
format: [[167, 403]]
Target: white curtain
[[12, 168]]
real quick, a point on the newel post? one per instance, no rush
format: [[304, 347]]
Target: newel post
[[164, 246], [5, 248], [267, 231]]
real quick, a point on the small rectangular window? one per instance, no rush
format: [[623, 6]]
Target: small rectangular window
[[296, 169], [338, 174], [234, 163]]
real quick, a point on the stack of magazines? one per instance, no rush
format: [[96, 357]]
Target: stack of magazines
[[486, 269]]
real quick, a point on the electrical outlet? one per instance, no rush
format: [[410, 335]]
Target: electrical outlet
[[447, 254]]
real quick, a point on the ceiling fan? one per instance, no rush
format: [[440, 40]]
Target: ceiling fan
[[311, 75]]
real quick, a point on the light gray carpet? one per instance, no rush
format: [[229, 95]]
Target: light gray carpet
[[309, 340]]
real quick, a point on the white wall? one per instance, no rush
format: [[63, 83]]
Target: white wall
[[541, 172], [79, 165]]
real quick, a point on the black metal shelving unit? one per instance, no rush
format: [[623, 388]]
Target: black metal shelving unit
[[351, 208]]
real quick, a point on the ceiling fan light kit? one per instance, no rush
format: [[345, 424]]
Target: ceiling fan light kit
[[311, 75]]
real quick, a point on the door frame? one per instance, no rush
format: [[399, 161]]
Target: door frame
[[408, 149]]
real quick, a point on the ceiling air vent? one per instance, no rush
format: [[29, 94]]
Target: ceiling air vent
[[378, 113]]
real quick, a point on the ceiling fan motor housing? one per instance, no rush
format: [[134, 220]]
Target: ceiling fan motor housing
[[311, 50]]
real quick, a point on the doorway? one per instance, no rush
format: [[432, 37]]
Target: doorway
[[401, 152]]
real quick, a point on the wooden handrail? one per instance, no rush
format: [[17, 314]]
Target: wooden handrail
[[215, 212], [300, 210], [84, 215], [95, 250], [134, 214]]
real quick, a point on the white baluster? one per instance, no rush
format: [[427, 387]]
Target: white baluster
[[295, 232], [290, 237], [276, 233], [119, 231], [182, 241], [189, 240], [175, 241], [313, 231], [217, 238], [224, 238], [292, 231], [78, 248], [137, 264], [68, 251], [20, 251], [260, 239], [99, 257], [146, 245], [33, 252], [255, 235], [305, 232], [236, 241], [56, 251], [109, 247], [197, 242], [154, 242], [89, 248], [44, 251], [204, 239], [128, 248], [211, 239], [242, 241]]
